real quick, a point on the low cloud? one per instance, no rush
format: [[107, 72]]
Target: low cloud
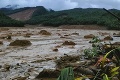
[[63, 4]]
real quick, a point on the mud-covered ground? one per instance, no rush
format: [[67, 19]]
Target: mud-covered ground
[[29, 61]]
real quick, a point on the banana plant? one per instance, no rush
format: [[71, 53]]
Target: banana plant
[[105, 71], [66, 74]]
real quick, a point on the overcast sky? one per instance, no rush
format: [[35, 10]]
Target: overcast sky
[[64, 4]]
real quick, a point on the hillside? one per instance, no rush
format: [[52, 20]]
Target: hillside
[[6, 21], [23, 15], [78, 16]]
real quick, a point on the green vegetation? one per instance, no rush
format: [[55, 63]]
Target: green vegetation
[[77, 16], [6, 21], [40, 11], [106, 62], [106, 69], [66, 74]]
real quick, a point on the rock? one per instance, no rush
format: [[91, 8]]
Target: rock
[[3, 36], [44, 32], [55, 50], [83, 70], [62, 37], [67, 61], [20, 78], [48, 73], [68, 43], [66, 35], [38, 61], [1, 43], [108, 38], [0, 66], [30, 69], [20, 43], [75, 33], [115, 78], [116, 44], [103, 33], [8, 37], [28, 35], [116, 35], [6, 67], [89, 36]]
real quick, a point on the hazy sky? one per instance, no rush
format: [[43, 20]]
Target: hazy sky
[[64, 4]]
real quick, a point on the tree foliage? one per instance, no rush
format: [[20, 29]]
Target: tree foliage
[[6, 21], [78, 16]]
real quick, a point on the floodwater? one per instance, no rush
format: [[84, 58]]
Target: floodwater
[[40, 54]]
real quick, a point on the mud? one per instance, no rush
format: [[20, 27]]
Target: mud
[[27, 62]]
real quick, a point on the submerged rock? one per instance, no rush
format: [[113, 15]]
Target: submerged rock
[[1, 43], [56, 50], [66, 61], [20, 43], [116, 35], [75, 33], [48, 73], [9, 37], [89, 36], [108, 38], [6, 67], [44, 32], [68, 43], [20, 78], [83, 70]]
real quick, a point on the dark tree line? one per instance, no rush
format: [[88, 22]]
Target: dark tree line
[[78, 16], [6, 21]]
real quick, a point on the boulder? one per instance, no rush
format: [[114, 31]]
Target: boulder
[[56, 50], [48, 73], [68, 43], [1, 43], [44, 32], [108, 38], [89, 36], [116, 34], [75, 33], [20, 43], [20, 78]]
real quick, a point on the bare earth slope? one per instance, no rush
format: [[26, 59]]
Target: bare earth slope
[[23, 15]]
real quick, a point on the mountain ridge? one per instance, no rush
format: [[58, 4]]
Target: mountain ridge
[[76, 16]]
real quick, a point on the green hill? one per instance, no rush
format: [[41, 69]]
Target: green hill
[[41, 11], [6, 21], [77, 16]]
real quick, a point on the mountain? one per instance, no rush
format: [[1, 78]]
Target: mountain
[[76, 16], [6, 21], [25, 13]]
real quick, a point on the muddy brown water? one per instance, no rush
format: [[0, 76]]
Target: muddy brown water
[[40, 54]]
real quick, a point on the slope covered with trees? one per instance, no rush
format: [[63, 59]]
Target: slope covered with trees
[[78, 16], [6, 21]]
